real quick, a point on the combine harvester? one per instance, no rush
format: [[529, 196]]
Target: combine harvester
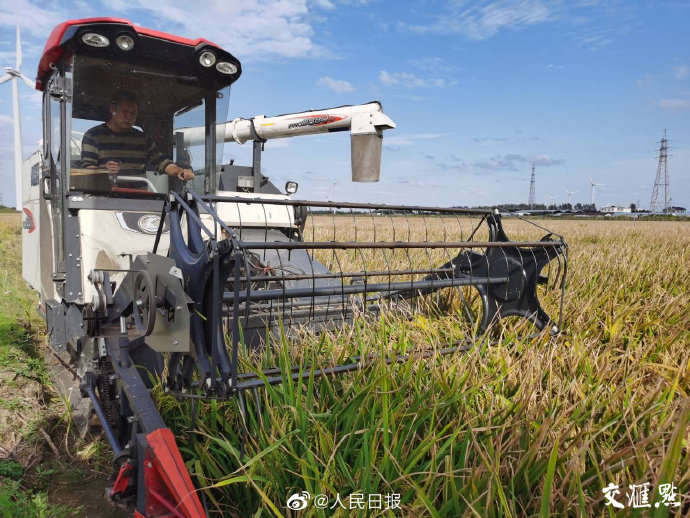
[[142, 274]]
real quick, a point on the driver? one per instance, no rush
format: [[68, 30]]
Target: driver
[[122, 149]]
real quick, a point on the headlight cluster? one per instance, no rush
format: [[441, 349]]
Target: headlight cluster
[[225, 67], [125, 42], [93, 39], [207, 59]]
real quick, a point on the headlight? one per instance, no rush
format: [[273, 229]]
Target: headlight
[[149, 223], [226, 68], [291, 187], [140, 222], [95, 40], [207, 58], [125, 42]]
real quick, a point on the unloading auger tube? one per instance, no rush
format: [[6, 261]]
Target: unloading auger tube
[[365, 122]]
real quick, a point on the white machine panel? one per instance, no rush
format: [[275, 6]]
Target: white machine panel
[[254, 213]]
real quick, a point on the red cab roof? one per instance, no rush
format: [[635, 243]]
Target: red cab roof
[[53, 50]]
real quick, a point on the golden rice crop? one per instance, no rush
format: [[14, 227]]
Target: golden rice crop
[[511, 428]]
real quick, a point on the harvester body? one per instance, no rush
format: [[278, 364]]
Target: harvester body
[[142, 277]]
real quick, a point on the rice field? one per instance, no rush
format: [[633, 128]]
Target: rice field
[[511, 427]]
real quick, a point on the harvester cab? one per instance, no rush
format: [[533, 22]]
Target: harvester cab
[[147, 275]]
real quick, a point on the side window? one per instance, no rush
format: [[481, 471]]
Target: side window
[[46, 124], [55, 129], [51, 141], [192, 154], [35, 169]]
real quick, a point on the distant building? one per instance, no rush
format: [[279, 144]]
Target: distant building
[[676, 211], [616, 209]]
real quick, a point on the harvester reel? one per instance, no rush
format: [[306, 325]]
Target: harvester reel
[[253, 284]]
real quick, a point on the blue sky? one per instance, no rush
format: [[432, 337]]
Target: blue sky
[[479, 90]]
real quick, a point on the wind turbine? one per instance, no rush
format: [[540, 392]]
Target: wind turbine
[[14, 74], [570, 196], [553, 201], [593, 187]]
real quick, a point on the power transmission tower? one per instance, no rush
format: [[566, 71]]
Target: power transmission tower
[[662, 180], [531, 189]]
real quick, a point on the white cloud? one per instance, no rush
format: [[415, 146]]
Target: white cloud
[[512, 161], [500, 140], [337, 85], [387, 79], [595, 41], [544, 160], [681, 71], [489, 19], [324, 4], [262, 29], [33, 19], [7, 56], [645, 81], [266, 29], [433, 64], [674, 104], [480, 20], [409, 80], [483, 20]]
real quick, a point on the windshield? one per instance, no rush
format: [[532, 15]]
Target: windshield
[[189, 139], [128, 122]]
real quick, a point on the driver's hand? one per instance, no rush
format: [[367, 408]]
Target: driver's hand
[[112, 166], [185, 174], [179, 172]]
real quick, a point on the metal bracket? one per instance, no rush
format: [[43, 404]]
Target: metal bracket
[[61, 88]]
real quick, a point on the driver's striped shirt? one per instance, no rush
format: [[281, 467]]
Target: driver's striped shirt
[[132, 149]]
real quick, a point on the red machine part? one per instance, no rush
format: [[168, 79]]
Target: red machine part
[[30, 219], [169, 488], [53, 51], [122, 480]]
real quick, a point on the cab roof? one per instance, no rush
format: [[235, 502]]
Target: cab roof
[[63, 36]]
